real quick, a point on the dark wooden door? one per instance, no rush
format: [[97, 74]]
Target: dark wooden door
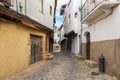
[[36, 48], [51, 45], [88, 46], [69, 43]]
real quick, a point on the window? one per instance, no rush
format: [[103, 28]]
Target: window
[[50, 10], [41, 5], [76, 15]]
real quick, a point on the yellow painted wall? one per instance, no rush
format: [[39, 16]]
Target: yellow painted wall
[[15, 47]]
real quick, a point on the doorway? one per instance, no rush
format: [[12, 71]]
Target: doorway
[[88, 46], [36, 48]]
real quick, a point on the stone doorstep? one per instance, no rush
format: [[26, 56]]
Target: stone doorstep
[[91, 63], [47, 56], [80, 57], [114, 78]]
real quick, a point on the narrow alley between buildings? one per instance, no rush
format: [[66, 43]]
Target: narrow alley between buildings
[[63, 67]]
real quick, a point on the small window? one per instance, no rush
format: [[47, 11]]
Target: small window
[[50, 10], [76, 15]]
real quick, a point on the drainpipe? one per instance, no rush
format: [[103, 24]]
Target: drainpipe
[[81, 29], [25, 6], [16, 5]]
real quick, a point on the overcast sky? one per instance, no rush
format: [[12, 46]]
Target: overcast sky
[[59, 18]]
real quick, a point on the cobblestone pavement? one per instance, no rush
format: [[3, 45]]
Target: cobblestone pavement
[[62, 67]]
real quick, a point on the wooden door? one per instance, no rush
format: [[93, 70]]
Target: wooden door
[[36, 48], [88, 46]]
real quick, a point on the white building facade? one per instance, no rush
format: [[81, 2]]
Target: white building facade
[[41, 11], [71, 25], [101, 34], [94, 31]]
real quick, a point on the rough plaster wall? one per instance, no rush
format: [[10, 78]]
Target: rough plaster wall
[[15, 47]]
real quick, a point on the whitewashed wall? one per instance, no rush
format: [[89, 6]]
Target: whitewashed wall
[[72, 23], [106, 29], [33, 10]]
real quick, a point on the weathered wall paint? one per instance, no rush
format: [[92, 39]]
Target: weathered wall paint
[[15, 47]]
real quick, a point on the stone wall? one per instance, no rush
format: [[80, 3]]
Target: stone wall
[[111, 51]]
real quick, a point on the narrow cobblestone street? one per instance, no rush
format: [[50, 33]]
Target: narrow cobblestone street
[[62, 67]]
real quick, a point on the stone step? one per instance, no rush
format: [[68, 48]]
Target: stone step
[[91, 63], [47, 56]]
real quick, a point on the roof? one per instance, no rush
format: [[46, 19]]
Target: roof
[[12, 15]]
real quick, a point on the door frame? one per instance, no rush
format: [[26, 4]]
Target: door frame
[[34, 48]]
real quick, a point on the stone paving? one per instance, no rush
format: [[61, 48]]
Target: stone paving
[[62, 67]]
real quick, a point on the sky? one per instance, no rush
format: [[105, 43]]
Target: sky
[[59, 19]]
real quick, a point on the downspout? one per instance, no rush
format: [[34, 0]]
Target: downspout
[[81, 30], [16, 5], [25, 6]]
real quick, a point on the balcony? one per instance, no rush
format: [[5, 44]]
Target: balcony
[[94, 10], [6, 2]]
